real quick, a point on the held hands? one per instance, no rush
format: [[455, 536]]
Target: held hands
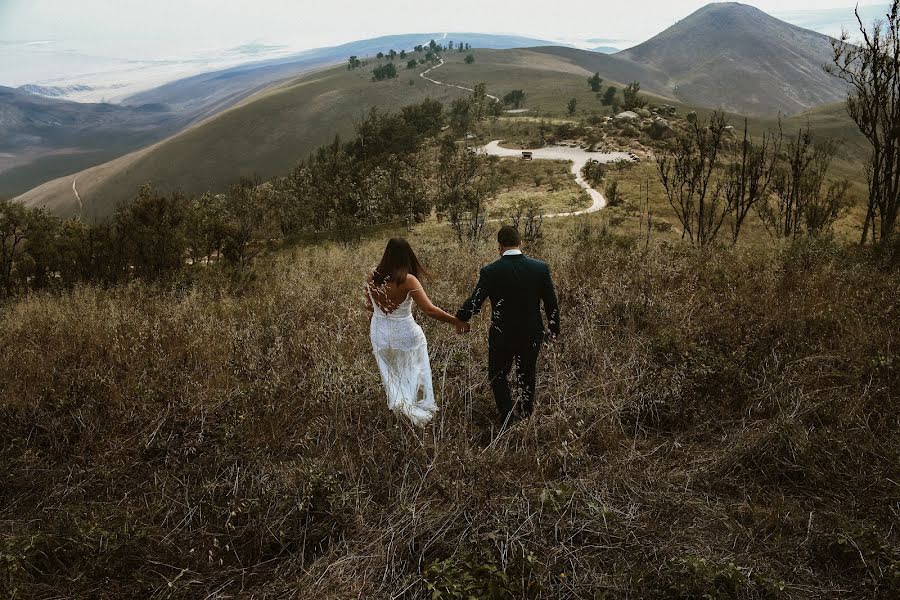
[[461, 326]]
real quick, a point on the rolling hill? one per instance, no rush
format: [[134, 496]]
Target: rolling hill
[[728, 56], [43, 136], [265, 135], [268, 133], [736, 57]]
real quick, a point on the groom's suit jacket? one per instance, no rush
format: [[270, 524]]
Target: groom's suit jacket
[[516, 285]]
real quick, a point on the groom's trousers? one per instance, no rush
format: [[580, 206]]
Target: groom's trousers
[[503, 355]]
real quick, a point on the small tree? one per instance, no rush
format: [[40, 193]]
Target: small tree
[[470, 58], [572, 106], [353, 62], [386, 71], [632, 99], [152, 232], [479, 101], [802, 200], [514, 98], [466, 182], [608, 96], [461, 118], [392, 54], [686, 171], [747, 180], [594, 172], [14, 222], [870, 66], [613, 195], [412, 64], [595, 82]]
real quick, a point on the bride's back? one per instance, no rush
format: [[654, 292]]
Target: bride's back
[[388, 296]]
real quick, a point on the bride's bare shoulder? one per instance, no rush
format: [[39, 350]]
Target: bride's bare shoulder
[[412, 283]]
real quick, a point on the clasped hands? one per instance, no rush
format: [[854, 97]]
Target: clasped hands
[[462, 327]]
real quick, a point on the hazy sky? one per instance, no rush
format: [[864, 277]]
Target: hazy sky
[[148, 28]]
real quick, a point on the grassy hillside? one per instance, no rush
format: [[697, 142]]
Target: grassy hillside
[[709, 425], [266, 135], [270, 132]]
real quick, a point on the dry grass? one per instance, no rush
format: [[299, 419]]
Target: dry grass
[[718, 425], [546, 185]]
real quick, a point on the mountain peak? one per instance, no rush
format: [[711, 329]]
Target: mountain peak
[[744, 59]]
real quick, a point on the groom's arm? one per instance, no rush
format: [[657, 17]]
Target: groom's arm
[[471, 306], [551, 304]]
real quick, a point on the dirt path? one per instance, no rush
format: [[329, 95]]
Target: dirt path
[[77, 195], [424, 75], [579, 158]]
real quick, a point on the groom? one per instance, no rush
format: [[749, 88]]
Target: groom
[[516, 286]]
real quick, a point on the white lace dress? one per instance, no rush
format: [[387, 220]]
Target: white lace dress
[[401, 351]]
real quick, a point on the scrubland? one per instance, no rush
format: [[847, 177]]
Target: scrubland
[[713, 423]]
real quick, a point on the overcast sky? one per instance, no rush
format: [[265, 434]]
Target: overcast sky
[[146, 28]]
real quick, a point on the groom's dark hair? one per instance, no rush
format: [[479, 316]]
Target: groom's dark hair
[[508, 236]]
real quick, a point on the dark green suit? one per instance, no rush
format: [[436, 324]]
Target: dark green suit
[[516, 286]]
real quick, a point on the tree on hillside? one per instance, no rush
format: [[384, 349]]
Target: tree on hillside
[[631, 98], [479, 101], [392, 54], [386, 71], [747, 179], [403, 55], [153, 233], [246, 204], [426, 118], [686, 170], [14, 226], [803, 199], [595, 82], [412, 64], [466, 182], [514, 98], [609, 95], [572, 106], [461, 118], [470, 58], [380, 55], [353, 62], [208, 227], [419, 48], [450, 45], [870, 66]]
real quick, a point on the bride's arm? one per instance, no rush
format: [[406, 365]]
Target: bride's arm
[[418, 294]]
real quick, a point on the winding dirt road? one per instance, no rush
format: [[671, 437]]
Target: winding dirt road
[[579, 158], [77, 195], [424, 75]]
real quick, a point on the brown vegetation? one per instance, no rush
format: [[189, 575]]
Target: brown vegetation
[[711, 424]]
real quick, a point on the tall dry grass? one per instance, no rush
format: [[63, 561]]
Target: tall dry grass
[[718, 424]]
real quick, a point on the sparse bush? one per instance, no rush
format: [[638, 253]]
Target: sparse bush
[[385, 71]]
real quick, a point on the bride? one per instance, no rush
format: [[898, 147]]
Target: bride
[[398, 342]]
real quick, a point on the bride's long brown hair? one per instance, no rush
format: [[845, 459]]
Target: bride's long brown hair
[[398, 261]]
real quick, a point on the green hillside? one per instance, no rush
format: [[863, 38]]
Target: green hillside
[[269, 133], [266, 135]]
